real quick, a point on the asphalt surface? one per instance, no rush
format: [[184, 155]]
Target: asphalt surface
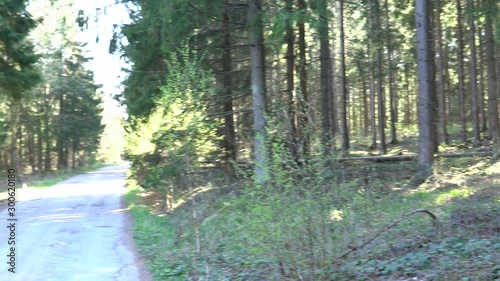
[[78, 229]]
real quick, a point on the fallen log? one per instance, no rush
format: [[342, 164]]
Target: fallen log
[[382, 158], [411, 157]]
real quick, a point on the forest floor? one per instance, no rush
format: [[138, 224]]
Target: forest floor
[[219, 237]]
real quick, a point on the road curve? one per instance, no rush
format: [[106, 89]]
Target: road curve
[[78, 229]]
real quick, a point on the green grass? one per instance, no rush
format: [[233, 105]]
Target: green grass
[[299, 231]]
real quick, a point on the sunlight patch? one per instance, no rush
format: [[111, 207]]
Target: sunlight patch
[[336, 215], [448, 196]]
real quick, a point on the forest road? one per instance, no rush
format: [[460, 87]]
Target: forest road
[[78, 229]]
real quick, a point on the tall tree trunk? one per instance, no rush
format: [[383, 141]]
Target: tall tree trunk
[[334, 86], [442, 132], [229, 131], [380, 86], [60, 142], [473, 76], [481, 89], [344, 130], [31, 151], [492, 83], [325, 76], [47, 159], [293, 144], [256, 41], [393, 102], [73, 155], [461, 73], [303, 80], [14, 128], [371, 29], [39, 141], [446, 66], [425, 106], [365, 109], [407, 119]]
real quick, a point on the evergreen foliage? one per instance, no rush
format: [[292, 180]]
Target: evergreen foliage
[[17, 59]]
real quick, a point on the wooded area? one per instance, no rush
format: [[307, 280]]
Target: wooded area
[[312, 79], [50, 108], [251, 128]]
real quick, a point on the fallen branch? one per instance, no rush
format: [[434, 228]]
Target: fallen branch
[[411, 157], [437, 226], [408, 157]]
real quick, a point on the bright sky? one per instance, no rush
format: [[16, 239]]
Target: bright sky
[[107, 68]]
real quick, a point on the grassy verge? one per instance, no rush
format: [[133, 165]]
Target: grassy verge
[[298, 231]]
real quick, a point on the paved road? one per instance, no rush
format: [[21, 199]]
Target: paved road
[[75, 230]]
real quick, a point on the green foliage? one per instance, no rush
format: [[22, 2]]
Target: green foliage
[[18, 72], [298, 230], [179, 134]]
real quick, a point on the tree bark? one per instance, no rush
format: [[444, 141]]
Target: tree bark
[[392, 94], [31, 151], [473, 76], [493, 121], [380, 86], [481, 89], [372, 78], [443, 133], [39, 141], [325, 77], [304, 136], [344, 130], [461, 73], [365, 109], [425, 106], [256, 41], [229, 131], [14, 127], [293, 142]]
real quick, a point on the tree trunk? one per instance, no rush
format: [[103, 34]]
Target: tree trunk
[[492, 84], [392, 94], [365, 109], [48, 149], [303, 80], [229, 131], [344, 130], [373, 145], [461, 73], [407, 119], [443, 133], [425, 106], [31, 151], [481, 89], [14, 127], [293, 141], [39, 142], [256, 41], [380, 79], [325, 77], [473, 76]]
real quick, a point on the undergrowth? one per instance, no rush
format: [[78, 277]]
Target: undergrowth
[[302, 222]]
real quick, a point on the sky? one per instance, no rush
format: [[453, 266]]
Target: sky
[[107, 67]]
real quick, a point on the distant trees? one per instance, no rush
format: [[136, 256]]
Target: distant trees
[[53, 105], [308, 92], [18, 73]]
